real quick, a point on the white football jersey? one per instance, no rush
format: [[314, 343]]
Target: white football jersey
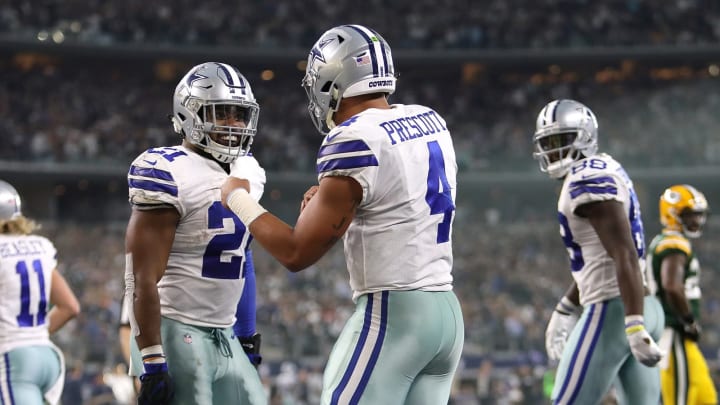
[[597, 178], [26, 266], [203, 280], [403, 157]]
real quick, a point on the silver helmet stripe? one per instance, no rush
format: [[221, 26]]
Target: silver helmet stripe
[[375, 49]]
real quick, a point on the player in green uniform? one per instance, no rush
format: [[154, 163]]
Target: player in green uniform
[[675, 279]]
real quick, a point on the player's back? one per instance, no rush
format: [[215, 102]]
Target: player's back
[[597, 178], [203, 280], [403, 157], [26, 266]]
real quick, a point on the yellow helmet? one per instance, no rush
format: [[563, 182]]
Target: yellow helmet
[[679, 199]]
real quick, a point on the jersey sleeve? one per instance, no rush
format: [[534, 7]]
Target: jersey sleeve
[[52, 252], [151, 183], [673, 244], [247, 167], [595, 185], [345, 153]]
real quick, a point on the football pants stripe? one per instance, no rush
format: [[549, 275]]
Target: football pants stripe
[[366, 353], [6, 393], [580, 361]]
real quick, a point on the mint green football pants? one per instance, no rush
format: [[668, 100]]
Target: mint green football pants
[[207, 366], [398, 347]]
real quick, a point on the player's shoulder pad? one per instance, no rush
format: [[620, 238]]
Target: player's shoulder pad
[[348, 146], [152, 180], [674, 242], [595, 178]]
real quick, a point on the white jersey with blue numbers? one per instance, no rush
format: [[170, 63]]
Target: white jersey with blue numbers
[[403, 158], [26, 266], [203, 280], [597, 178]]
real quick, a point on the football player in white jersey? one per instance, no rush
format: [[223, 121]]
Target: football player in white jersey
[[387, 184], [186, 254], [600, 224], [32, 368]]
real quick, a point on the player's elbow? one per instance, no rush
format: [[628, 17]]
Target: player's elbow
[[295, 266], [296, 261], [73, 309]]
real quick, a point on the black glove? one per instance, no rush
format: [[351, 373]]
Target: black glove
[[251, 346], [156, 386], [691, 329]]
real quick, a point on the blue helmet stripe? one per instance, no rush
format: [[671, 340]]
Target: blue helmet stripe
[[371, 46], [382, 50]]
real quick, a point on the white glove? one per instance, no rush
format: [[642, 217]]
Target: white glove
[[562, 322], [642, 345]]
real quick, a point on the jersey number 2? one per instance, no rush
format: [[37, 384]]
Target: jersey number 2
[[439, 198], [213, 267], [26, 318]]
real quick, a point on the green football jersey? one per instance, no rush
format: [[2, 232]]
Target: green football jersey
[[664, 244]]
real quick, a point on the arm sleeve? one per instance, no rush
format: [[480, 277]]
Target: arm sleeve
[[245, 314]]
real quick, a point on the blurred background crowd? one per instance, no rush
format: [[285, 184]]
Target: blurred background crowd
[[87, 86]]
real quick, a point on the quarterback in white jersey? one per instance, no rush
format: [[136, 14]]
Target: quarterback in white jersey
[[186, 253], [31, 367], [387, 185], [603, 330]]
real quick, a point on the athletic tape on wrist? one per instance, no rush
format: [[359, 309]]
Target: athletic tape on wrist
[[153, 354], [634, 323], [244, 206]]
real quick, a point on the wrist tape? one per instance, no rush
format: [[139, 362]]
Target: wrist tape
[[153, 354], [634, 323], [244, 206]]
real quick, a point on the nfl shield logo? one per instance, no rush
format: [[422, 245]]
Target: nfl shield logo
[[187, 338]]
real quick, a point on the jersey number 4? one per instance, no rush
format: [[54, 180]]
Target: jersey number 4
[[438, 194], [26, 318]]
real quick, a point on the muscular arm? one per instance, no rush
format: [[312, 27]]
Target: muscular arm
[[323, 220], [672, 272], [66, 305], [610, 222], [149, 238]]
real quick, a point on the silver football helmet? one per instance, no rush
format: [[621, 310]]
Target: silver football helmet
[[214, 108], [347, 61], [10, 206], [565, 131]]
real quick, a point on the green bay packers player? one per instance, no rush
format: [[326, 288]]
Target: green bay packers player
[[186, 254], [604, 328], [387, 184], [35, 302], [675, 278]]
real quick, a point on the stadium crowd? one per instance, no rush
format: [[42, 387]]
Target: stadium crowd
[[408, 24], [71, 114]]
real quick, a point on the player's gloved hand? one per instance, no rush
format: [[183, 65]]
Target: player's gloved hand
[[156, 386], [562, 322], [642, 345], [691, 329], [251, 346]]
